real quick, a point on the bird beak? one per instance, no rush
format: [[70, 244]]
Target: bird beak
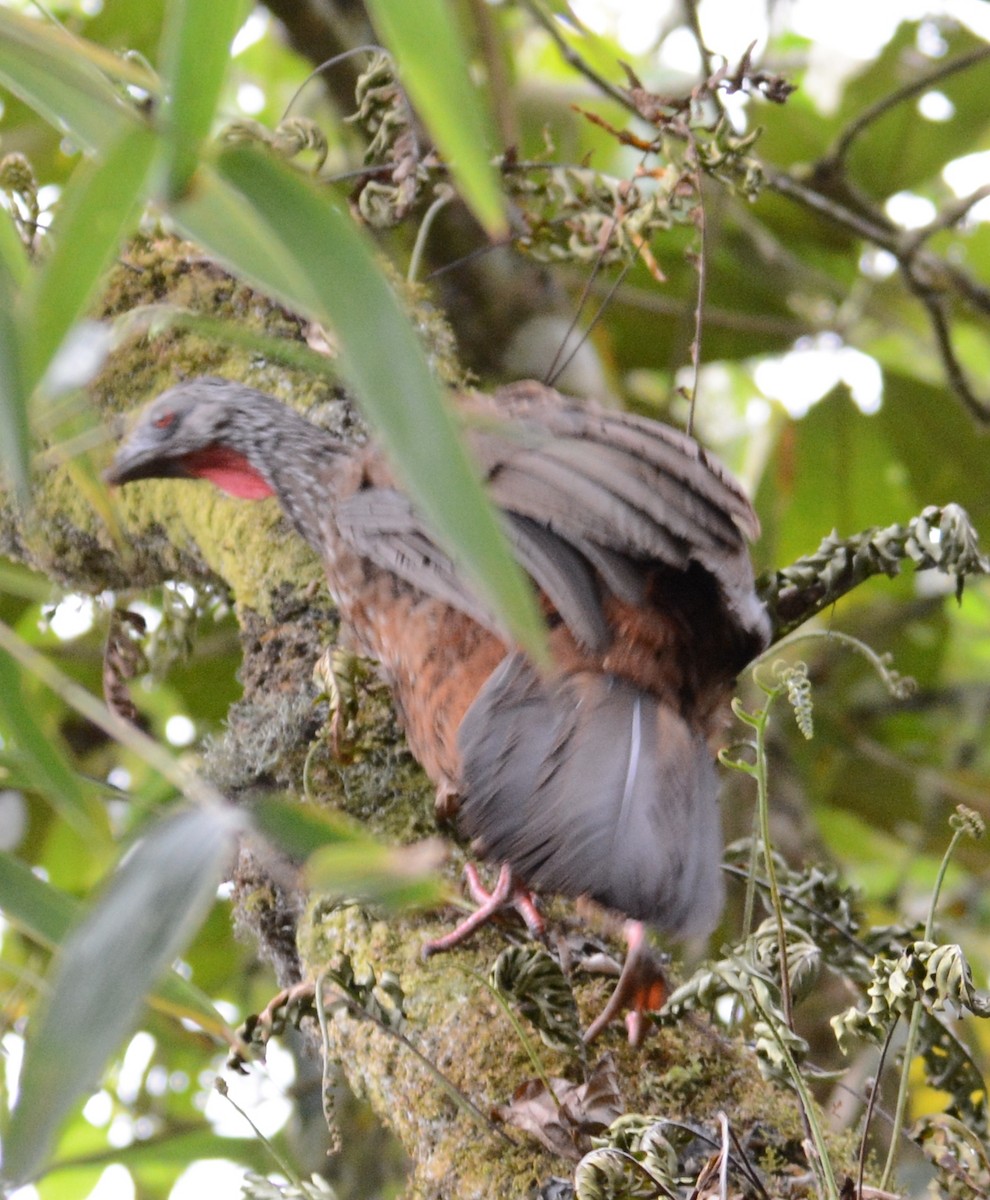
[[136, 461]]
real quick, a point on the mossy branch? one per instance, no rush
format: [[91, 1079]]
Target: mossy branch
[[940, 538]]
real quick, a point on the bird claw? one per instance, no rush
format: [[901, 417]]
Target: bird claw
[[642, 988], [508, 892]]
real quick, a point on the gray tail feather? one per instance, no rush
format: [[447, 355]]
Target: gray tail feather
[[588, 786]]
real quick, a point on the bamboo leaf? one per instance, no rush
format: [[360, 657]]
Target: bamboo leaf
[[100, 203], [45, 761], [14, 435], [311, 239], [45, 914], [345, 860], [216, 215], [149, 912], [62, 78], [195, 53]]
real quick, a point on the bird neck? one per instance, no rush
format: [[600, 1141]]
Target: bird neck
[[301, 469], [270, 450]]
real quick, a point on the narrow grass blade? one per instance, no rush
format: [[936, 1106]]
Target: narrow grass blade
[[150, 911]]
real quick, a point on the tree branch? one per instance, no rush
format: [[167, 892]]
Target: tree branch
[[939, 538]]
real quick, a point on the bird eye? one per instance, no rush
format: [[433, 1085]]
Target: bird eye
[[164, 420]]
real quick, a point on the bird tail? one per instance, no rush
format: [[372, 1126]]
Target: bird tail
[[589, 786]]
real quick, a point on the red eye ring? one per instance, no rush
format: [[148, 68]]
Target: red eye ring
[[164, 420]]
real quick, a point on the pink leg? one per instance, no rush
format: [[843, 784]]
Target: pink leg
[[507, 893], [642, 988]]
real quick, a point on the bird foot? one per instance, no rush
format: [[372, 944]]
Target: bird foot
[[508, 892], [642, 988]]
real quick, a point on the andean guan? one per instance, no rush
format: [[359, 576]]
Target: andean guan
[[595, 778]]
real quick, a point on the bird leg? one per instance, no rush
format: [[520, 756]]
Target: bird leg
[[508, 892], [642, 988]]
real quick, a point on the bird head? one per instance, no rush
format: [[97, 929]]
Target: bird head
[[198, 430]]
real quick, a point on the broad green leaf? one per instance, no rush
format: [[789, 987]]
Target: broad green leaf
[[833, 469], [150, 911], [101, 201], [899, 149], [49, 769], [62, 78], [342, 286], [300, 829], [433, 65], [195, 53], [45, 914], [946, 455]]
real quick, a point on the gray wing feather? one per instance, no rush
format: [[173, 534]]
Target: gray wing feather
[[382, 526], [588, 786], [564, 576], [591, 502]]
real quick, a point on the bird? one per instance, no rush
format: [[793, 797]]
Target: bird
[[594, 776]]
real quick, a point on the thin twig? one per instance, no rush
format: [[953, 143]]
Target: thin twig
[[915, 1022], [444, 197], [694, 24], [702, 272], [934, 305], [573, 59], [899, 96], [951, 214], [925, 274], [871, 1107], [556, 369], [328, 65]]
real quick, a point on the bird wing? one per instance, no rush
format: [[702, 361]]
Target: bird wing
[[591, 502], [382, 525]]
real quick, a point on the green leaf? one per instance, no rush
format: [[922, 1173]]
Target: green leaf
[[195, 53], [14, 434], [394, 876], [944, 452], [62, 78], [833, 469], [339, 283], [300, 829], [426, 43], [344, 859], [13, 254], [46, 914], [216, 215], [35, 907], [148, 914], [45, 759], [100, 203]]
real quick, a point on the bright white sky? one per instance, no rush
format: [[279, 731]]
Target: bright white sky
[[845, 32]]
